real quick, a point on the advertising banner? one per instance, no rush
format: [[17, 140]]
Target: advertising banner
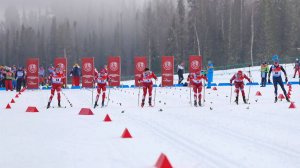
[[140, 63], [32, 73], [87, 72], [114, 70], [195, 63], [167, 64]]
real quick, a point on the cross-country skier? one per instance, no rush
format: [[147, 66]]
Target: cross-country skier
[[101, 79], [56, 79], [238, 79], [196, 82], [276, 70], [146, 79]]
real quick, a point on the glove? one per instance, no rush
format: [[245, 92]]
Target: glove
[[286, 79], [269, 81]]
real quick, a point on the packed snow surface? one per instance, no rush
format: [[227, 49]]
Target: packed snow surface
[[261, 134]]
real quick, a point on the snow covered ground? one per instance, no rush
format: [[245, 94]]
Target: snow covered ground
[[220, 134]]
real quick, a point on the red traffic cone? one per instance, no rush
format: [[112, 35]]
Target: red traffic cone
[[292, 105], [258, 93], [281, 97], [86, 111], [288, 96], [17, 96], [107, 118], [32, 109], [214, 88], [163, 162], [8, 106], [289, 93], [12, 101], [126, 134]]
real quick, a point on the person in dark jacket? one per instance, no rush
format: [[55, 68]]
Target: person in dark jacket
[[75, 73], [20, 76], [180, 72]]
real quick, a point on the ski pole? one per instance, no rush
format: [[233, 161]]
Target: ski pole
[[139, 84], [230, 92], [93, 93], [190, 95], [249, 91], [154, 94], [204, 92], [67, 98], [108, 96], [250, 76]]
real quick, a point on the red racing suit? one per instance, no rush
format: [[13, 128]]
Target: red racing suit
[[146, 79], [196, 83], [57, 82], [239, 83], [101, 80]]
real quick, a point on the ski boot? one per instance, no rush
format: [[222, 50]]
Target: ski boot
[[244, 99], [195, 103], [96, 104], [48, 105], [59, 104], [102, 103], [275, 99], [287, 99], [236, 100], [150, 102], [143, 103], [199, 103]]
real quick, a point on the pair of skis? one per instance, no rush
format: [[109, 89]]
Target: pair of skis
[[153, 97], [71, 105]]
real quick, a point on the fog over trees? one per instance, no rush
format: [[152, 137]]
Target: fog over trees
[[224, 31]]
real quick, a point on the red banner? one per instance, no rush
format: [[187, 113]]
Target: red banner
[[62, 61], [167, 64], [114, 70], [32, 73], [195, 63], [87, 72], [140, 63]]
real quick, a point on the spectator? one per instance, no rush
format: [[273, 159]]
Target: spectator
[[14, 81], [297, 68], [8, 79], [2, 77], [264, 69], [42, 75], [75, 73], [180, 71]]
